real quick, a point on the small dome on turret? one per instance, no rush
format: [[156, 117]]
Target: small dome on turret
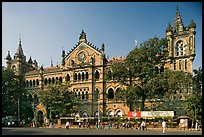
[[8, 57], [192, 24]]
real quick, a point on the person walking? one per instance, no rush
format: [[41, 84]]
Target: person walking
[[67, 125], [163, 127], [143, 125]]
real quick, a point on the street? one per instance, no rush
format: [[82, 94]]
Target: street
[[75, 131]]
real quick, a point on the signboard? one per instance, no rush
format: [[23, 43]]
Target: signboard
[[151, 114]]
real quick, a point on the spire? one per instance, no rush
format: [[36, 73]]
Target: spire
[[63, 57], [178, 24], [51, 62], [82, 37], [192, 24], [169, 28], [19, 52], [8, 57], [30, 60]]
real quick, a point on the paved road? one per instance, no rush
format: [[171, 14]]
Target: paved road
[[63, 131]]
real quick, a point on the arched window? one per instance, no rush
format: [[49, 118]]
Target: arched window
[[27, 83], [82, 76], [67, 78], [97, 75], [45, 81], [110, 114], [119, 113], [177, 51], [49, 81], [37, 81], [30, 83], [179, 64], [57, 79], [53, 80], [60, 79], [87, 95], [87, 75], [82, 96], [185, 64], [79, 77], [174, 65], [75, 76], [110, 94]]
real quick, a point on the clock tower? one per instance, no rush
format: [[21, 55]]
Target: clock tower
[[181, 44]]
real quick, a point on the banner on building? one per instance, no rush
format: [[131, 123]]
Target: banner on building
[[134, 114], [145, 114]]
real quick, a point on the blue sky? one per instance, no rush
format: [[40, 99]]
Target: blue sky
[[46, 28]]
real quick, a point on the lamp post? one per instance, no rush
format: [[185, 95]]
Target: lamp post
[[98, 109]]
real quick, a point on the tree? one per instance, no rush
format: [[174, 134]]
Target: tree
[[58, 100], [13, 96], [139, 67], [193, 105], [197, 80]]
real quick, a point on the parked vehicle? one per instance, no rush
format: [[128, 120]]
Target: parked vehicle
[[3, 122], [11, 121]]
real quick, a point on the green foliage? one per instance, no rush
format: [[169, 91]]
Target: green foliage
[[58, 100], [193, 105], [140, 66], [12, 90], [197, 80], [144, 68]]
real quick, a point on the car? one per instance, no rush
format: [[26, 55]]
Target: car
[[11, 121], [3, 122]]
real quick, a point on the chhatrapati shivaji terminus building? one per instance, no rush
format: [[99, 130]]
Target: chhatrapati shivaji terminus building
[[85, 67]]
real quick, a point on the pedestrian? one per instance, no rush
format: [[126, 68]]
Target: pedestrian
[[163, 127], [109, 125], [143, 125], [51, 125], [67, 125], [79, 124]]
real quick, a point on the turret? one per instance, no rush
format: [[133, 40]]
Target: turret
[[169, 29], [8, 60], [19, 54], [82, 37]]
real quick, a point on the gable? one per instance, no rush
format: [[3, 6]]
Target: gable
[[82, 54]]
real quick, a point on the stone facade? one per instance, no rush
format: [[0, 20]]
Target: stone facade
[[85, 66]]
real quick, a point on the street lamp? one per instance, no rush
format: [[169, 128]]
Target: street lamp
[[98, 109]]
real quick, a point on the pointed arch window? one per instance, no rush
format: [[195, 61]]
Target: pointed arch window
[[87, 75], [174, 65], [110, 94], [97, 75], [67, 78], [37, 82], [82, 76], [179, 64], [45, 82], [60, 79], [185, 64], [75, 76], [79, 76]]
